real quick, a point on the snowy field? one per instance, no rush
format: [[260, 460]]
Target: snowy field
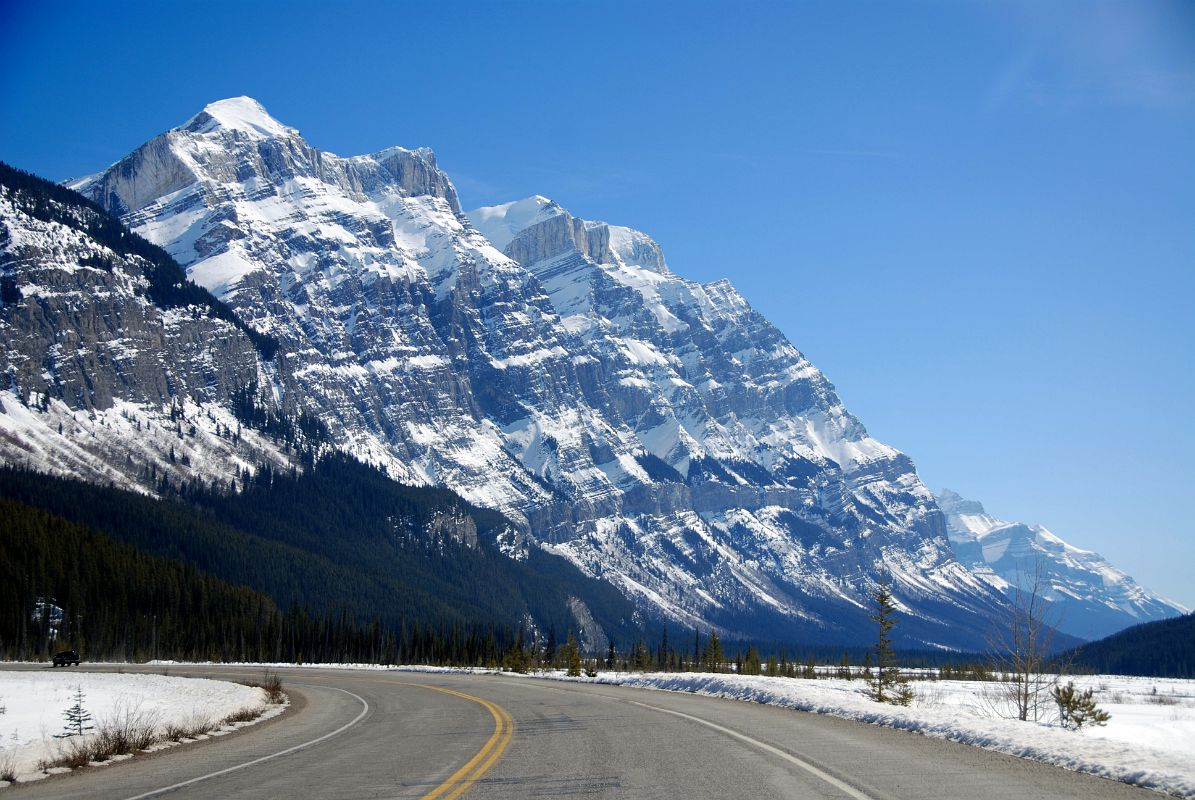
[[33, 705]]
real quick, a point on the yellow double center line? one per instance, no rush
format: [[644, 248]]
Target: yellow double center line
[[458, 782], [504, 729]]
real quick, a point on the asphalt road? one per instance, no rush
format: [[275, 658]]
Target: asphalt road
[[416, 735]]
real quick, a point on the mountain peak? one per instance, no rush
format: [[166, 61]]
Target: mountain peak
[[502, 223], [954, 503], [242, 114]]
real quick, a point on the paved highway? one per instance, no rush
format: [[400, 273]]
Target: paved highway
[[358, 734]]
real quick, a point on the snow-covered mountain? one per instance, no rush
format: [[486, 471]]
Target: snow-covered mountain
[[1091, 598], [103, 379], [780, 498], [657, 432]]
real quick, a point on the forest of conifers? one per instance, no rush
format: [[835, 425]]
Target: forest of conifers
[[337, 555], [338, 568]]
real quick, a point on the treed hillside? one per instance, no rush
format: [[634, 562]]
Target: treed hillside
[[65, 586], [62, 585], [1162, 649], [340, 539]]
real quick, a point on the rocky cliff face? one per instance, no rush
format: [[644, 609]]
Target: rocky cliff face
[[657, 432], [1090, 598], [761, 483], [101, 382]]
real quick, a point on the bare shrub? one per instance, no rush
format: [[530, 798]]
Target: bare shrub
[[929, 695], [271, 682], [8, 766], [190, 729], [247, 714], [72, 755], [1162, 700], [128, 730]]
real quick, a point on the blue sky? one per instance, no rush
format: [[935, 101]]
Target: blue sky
[[978, 219]]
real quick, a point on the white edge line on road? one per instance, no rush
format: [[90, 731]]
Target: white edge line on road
[[805, 765], [341, 729]]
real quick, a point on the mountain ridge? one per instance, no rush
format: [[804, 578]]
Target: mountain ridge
[[1089, 597], [658, 433]]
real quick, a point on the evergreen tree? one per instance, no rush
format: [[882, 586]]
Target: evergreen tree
[[888, 685], [78, 719], [751, 663], [844, 667], [641, 656], [572, 656], [516, 656], [809, 671], [1076, 709], [714, 657]]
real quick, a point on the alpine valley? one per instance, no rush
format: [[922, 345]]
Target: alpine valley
[[590, 409]]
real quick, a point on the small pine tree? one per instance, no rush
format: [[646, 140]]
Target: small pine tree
[[572, 657], [1076, 709], [888, 685], [751, 665], [714, 655], [844, 667], [78, 718]]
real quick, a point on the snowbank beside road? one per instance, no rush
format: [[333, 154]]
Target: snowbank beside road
[[35, 702], [1150, 741]]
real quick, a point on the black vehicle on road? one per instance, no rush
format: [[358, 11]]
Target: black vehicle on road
[[66, 658]]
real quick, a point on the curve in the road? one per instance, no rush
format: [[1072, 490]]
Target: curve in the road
[[504, 729], [845, 788], [451, 788], [271, 756]]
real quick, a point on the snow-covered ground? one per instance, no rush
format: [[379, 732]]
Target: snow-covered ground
[[33, 704]]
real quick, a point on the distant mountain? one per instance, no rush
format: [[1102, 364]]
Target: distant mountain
[[1091, 598], [1160, 649], [658, 433]]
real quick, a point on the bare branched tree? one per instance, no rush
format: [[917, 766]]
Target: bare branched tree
[[1020, 650]]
